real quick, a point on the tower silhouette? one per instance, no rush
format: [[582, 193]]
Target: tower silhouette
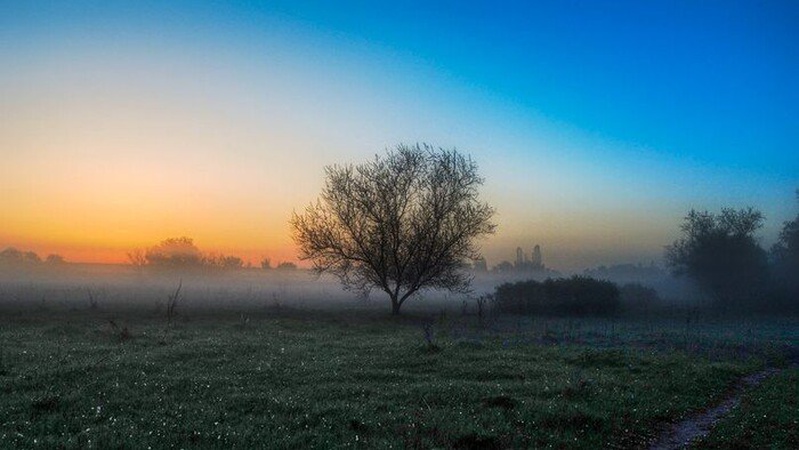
[[538, 262]]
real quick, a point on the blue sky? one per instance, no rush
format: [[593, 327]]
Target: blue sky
[[597, 124]]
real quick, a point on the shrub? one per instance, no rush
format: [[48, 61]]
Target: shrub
[[638, 296], [578, 296]]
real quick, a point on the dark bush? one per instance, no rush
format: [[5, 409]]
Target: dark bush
[[785, 267], [636, 296], [578, 296]]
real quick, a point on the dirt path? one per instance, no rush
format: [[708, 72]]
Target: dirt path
[[682, 434]]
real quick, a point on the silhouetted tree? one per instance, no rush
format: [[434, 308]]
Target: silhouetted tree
[[266, 263], [399, 223], [721, 254], [232, 262], [176, 253], [11, 256], [14, 257], [137, 258], [785, 254], [55, 259], [32, 258]]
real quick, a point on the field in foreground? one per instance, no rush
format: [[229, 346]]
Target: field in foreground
[[283, 378]]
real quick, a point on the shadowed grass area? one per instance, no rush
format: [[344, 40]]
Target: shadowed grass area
[[767, 417], [286, 380]]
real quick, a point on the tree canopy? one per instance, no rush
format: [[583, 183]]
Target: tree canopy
[[720, 252], [175, 252], [14, 257], [402, 222]]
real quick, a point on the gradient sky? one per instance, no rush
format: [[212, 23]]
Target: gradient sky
[[597, 125]]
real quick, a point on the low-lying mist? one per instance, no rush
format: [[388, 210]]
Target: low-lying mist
[[119, 287]]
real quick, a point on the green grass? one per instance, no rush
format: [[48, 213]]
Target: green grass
[[284, 380], [767, 417]]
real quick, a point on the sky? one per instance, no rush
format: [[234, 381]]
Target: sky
[[597, 125]]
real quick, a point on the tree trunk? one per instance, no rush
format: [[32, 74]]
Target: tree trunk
[[395, 307]]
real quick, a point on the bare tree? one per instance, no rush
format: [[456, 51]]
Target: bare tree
[[172, 303], [400, 223]]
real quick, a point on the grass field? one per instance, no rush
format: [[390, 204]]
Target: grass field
[[285, 378], [768, 417]]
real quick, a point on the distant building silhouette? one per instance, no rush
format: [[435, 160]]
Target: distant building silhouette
[[525, 266], [529, 262], [538, 262]]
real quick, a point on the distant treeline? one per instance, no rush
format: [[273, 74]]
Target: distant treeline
[[170, 254], [12, 257], [626, 272], [181, 253]]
